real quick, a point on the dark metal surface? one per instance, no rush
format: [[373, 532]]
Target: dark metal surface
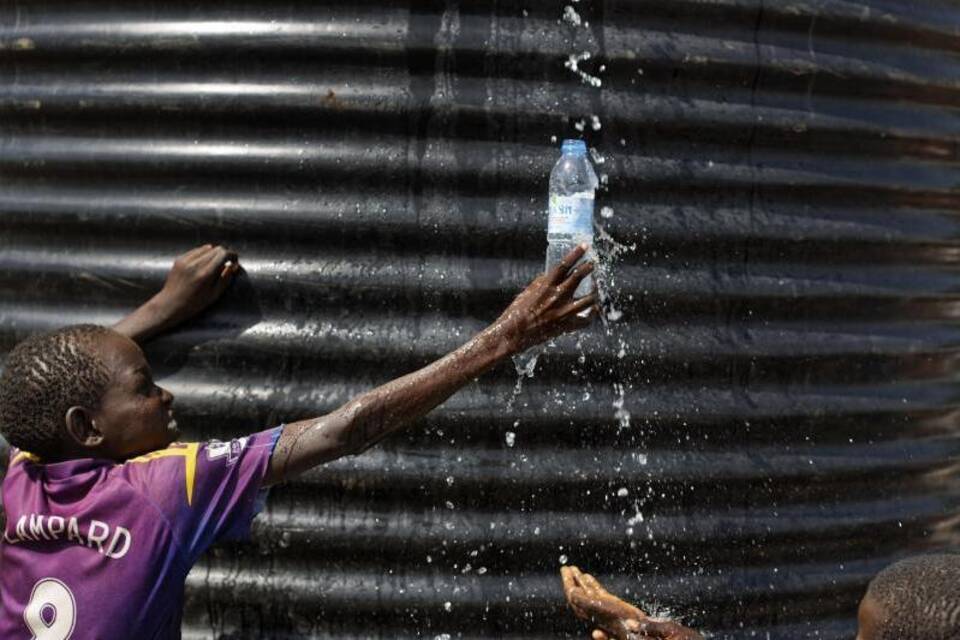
[[785, 172]]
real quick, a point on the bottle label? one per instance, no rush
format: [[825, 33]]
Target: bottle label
[[571, 215]]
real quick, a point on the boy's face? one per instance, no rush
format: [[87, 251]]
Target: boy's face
[[869, 617], [135, 415]]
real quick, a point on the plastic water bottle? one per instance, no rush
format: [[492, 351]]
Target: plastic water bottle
[[570, 221]]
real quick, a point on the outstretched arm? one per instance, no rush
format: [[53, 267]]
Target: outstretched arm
[[196, 280], [545, 309]]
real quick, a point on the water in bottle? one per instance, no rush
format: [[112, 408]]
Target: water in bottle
[[570, 221]]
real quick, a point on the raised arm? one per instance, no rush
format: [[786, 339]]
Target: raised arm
[[545, 309], [196, 280]]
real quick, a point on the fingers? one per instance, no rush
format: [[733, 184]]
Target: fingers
[[196, 251], [571, 324], [574, 308], [658, 629], [598, 634], [591, 583], [211, 266], [197, 254], [573, 279], [575, 573], [571, 590], [201, 256], [559, 272], [583, 605], [215, 260], [569, 582], [230, 269]]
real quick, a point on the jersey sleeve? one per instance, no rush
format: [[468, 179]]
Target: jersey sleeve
[[209, 491]]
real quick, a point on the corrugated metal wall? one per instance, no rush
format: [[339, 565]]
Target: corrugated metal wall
[[773, 418]]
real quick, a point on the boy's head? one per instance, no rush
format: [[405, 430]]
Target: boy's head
[[917, 598], [83, 391]]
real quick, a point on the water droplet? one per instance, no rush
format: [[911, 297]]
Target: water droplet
[[620, 413], [571, 17]]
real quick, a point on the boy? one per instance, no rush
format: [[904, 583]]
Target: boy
[[107, 513], [196, 280], [914, 599], [917, 598]]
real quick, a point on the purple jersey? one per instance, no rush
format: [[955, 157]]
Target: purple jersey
[[96, 549]]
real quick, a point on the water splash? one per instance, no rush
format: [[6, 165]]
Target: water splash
[[608, 251], [525, 364], [573, 63], [610, 247], [621, 414]]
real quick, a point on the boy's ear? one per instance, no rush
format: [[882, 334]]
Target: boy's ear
[[81, 428]]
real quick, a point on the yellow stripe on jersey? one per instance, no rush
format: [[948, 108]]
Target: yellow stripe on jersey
[[24, 455], [186, 450]]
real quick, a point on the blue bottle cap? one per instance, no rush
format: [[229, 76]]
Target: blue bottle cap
[[574, 147]]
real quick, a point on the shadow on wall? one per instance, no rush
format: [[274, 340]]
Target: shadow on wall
[[237, 311]]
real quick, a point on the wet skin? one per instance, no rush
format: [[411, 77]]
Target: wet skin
[[545, 309], [135, 415], [615, 618], [620, 620]]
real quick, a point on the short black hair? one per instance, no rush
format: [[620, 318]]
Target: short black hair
[[43, 377], [919, 597]]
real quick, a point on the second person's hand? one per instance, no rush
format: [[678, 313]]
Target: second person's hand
[[616, 618]]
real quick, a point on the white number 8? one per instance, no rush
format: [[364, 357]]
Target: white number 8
[[51, 612]]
